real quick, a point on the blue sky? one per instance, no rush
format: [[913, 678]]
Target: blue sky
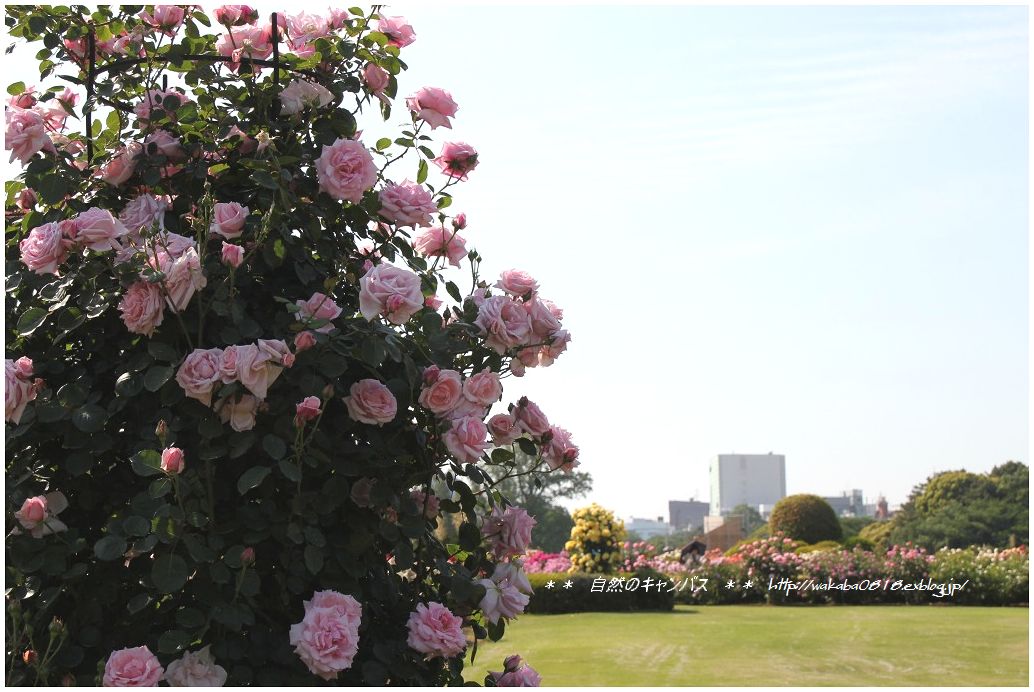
[[800, 230]]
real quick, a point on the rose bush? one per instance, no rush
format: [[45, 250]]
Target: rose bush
[[238, 368]]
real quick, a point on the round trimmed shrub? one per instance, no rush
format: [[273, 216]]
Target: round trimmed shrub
[[806, 518]]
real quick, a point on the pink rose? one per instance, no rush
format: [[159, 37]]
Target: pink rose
[[560, 340], [303, 29], [435, 631], [235, 15], [504, 322], [346, 170], [337, 18], [232, 255], [228, 219], [23, 367], [319, 307], [239, 414], [398, 31], [38, 515], [516, 674], [509, 531], [196, 669], [360, 493], [26, 134], [483, 388], [122, 165], [308, 409], [18, 390], [245, 42], [512, 572], [376, 78], [301, 94], [26, 199], [199, 374], [427, 503], [142, 308], [530, 417], [155, 101], [327, 638], [257, 369], [440, 242], [172, 460], [501, 600], [183, 277], [466, 439], [517, 283], [166, 18], [371, 402], [457, 159], [143, 212], [165, 145], [543, 322], [560, 452], [459, 222], [97, 229], [433, 302], [303, 341], [407, 204], [136, 667], [26, 99], [46, 247], [433, 105], [390, 291], [442, 394], [504, 429]]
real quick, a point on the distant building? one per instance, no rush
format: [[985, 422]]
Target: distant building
[[881, 509], [683, 514], [648, 528], [848, 504], [746, 479], [722, 532]]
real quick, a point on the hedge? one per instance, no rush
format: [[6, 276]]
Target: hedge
[[580, 597]]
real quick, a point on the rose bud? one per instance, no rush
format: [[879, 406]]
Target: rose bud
[[459, 222], [248, 556], [29, 656], [172, 460], [161, 431], [232, 255], [303, 341], [431, 374]]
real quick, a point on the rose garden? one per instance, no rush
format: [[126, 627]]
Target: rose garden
[[257, 423]]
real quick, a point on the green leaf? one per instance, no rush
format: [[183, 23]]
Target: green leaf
[[495, 631], [527, 446], [421, 171], [274, 446], [190, 618], [90, 418], [30, 320], [313, 559], [136, 526], [290, 470], [16, 88], [156, 376], [72, 395], [454, 291], [52, 188], [169, 573], [173, 641], [252, 478], [383, 143], [110, 548], [501, 456], [159, 487], [146, 463], [470, 536], [162, 351]]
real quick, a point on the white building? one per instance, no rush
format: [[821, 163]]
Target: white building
[[648, 528], [747, 479]]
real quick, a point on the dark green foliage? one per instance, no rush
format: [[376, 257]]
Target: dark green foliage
[[806, 518]]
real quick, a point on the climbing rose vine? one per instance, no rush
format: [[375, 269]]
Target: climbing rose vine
[[254, 421]]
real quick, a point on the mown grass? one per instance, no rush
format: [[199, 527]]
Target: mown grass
[[772, 646]]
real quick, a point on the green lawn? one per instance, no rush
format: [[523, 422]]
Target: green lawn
[[772, 646]]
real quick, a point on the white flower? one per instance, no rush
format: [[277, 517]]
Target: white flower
[[195, 669], [299, 94]]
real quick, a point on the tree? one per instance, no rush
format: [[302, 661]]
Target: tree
[[751, 519], [806, 518], [596, 540], [232, 385]]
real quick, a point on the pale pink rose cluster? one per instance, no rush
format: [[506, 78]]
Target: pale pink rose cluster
[[19, 388], [26, 133], [327, 638], [301, 94], [196, 669], [235, 15], [318, 307], [521, 319], [38, 515], [165, 18], [397, 29], [390, 291], [506, 593], [439, 241], [302, 31], [516, 673], [256, 366], [508, 531], [526, 418], [432, 105], [135, 667], [407, 204], [47, 247], [464, 403], [254, 42], [435, 631], [346, 170]]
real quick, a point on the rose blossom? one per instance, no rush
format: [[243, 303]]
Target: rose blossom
[[196, 669], [24, 100], [428, 503], [360, 492], [543, 322], [513, 573], [18, 390], [142, 308], [165, 144], [397, 29], [407, 204], [509, 531], [308, 409], [239, 414], [346, 170], [440, 242], [517, 283], [166, 18], [483, 388], [172, 460], [155, 100], [560, 451], [38, 514], [256, 369], [443, 393], [319, 307], [466, 439], [26, 134], [433, 105], [142, 212], [504, 322], [136, 667], [46, 247], [235, 15], [516, 673], [232, 255], [183, 277], [122, 165], [97, 229], [327, 638], [530, 417], [435, 631], [199, 374], [457, 159], [504, 429], [501, 600], [376, 78], [371, 402], [26, 199], [245, 42], [301, 94], [390, 291], [303, 341], [303, 29], [557, 346], [228, 219]]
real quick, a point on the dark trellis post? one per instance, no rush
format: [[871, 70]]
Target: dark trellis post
[[90, 43]]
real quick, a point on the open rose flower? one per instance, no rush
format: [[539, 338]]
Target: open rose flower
[[142, 308], [122, 165], [327, 638], [504, 323], [301, 94], [530, 418], [319, 307], [46, 247], [397, 29], [390, 291], [457, 159], [98, 230], [483, 388], [307, 409], [435, 631], [136, 667], [183, 277], [165, 18], [517, 283], [346, 170], [432, 105], [143, 212], [516, 673], [442, 394], [504, 429], [235, 15], [154, 103], [257, 368], [245, 42], [38, 515], [371, 402], [467, 439], [19, 390], [561, 452], [407, 204], [196, 669], [240, 414], [228, 219], [501, 600], [509, 531], [26, 134], [199, 374], [441, 242]]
